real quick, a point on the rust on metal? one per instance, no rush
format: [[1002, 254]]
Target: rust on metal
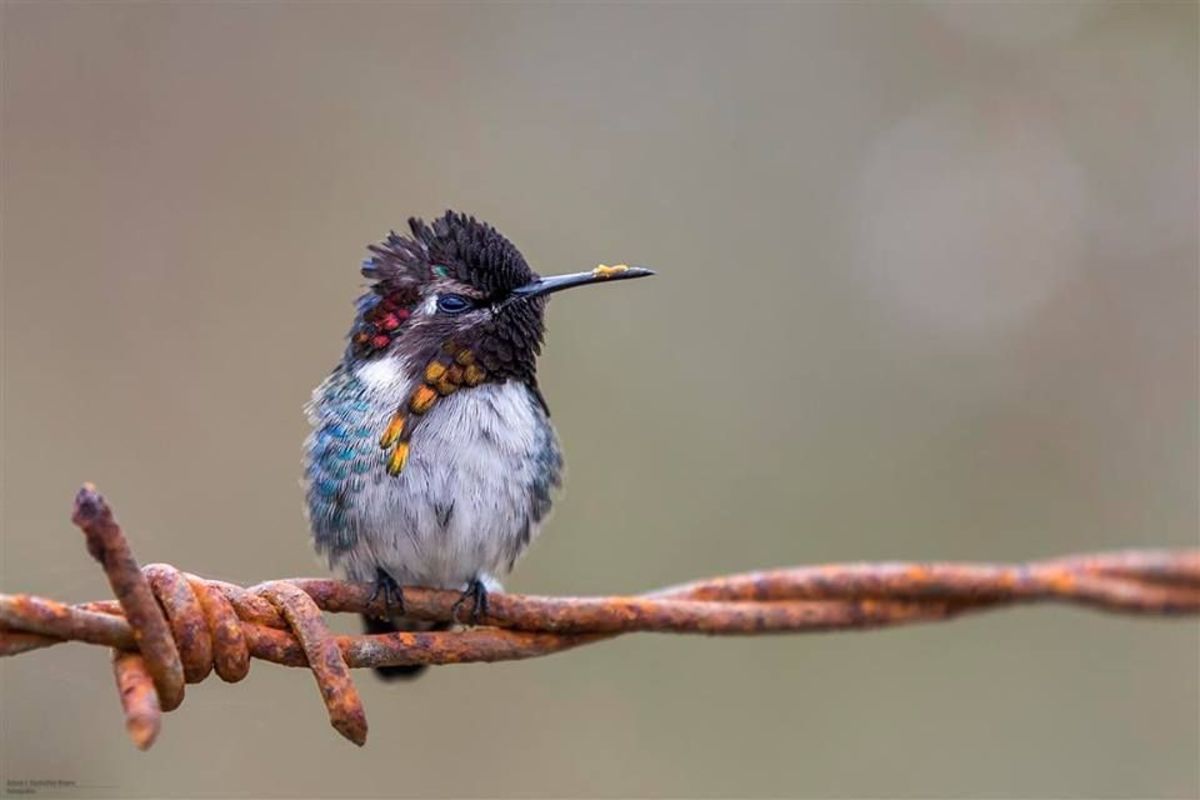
[[107, 545], [139, 700], [14, 643], [49, 618], [346, 712], [186, 618], [462, 647], [231, 654], [211, 625], [1110, 582]]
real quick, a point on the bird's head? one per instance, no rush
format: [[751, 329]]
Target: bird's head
[[457, 285], [457, 301]]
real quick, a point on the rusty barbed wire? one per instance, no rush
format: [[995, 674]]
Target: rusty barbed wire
[[168, 628]]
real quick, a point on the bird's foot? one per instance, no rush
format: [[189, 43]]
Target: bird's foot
[[478, 595], [393, 593]]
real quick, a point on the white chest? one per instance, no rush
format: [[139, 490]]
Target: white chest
[[476, 487]]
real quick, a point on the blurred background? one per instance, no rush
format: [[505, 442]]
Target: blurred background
[[927, 290]]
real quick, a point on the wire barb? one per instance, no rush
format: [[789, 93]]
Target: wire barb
[[168, 628], [108, 545], [139, 700]]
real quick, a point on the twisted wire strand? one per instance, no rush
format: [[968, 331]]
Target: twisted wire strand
[[168, 628]]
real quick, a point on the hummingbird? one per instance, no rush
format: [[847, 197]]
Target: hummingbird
[[432, 460]]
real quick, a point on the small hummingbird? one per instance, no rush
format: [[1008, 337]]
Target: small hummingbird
[[432, 460]]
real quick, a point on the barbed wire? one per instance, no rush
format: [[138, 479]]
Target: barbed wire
[[169, 628]]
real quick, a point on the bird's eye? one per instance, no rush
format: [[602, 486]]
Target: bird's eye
[[452, 303]]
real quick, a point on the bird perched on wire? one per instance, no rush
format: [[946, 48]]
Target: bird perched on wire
[[432, 460]]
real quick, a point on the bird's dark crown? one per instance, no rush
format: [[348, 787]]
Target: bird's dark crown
[[455, 246]]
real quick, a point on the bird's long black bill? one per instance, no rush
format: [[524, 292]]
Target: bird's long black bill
[[601, 274]]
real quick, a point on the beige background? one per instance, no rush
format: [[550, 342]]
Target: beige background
[[928, 290]]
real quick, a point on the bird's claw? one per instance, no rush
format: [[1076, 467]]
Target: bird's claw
[[478, 594], [393, 593]]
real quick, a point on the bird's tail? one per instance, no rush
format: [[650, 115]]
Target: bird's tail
[[373, 625]]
